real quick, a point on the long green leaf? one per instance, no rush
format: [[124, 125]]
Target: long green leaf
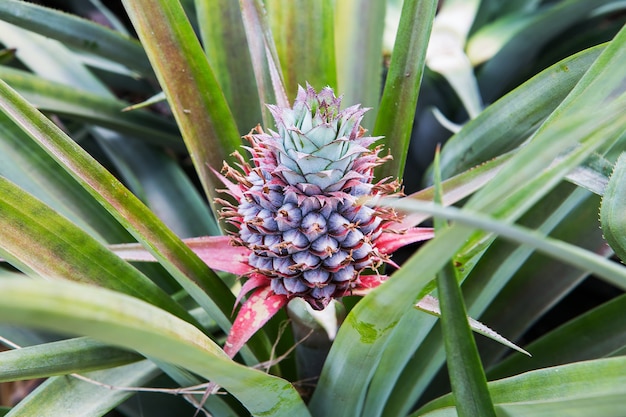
[[198, 104], [61, 358], [467, 376], [224, 40], [570, 254], [75, 398], [359, 53], [130, 323], [510, 120], [600, 86], [397, 107], [77, 32], [577, 383], [305, 42]]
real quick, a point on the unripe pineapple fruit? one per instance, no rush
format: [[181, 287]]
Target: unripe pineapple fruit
[[299, 211]]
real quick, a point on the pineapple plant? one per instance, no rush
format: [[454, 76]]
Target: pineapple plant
[[305, 225]]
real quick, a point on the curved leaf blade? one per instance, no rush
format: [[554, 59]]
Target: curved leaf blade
[[61, 358], [76, 32], [612, 210], [561, 384], [133, 324], [509, 121], [79, 398]]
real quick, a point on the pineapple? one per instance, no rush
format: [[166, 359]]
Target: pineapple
[[298, 206]]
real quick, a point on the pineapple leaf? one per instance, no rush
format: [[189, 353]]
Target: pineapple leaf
[[613, 208], [430, 305], [397, 107], [198, 104]]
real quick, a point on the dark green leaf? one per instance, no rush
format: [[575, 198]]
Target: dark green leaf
[[61, 358]]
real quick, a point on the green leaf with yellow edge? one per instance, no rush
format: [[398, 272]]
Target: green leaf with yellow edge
[[28, 166], [130, 323], [39, 241]]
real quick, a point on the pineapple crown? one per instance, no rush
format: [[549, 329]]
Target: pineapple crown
[[298, 209], [317, 145]]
